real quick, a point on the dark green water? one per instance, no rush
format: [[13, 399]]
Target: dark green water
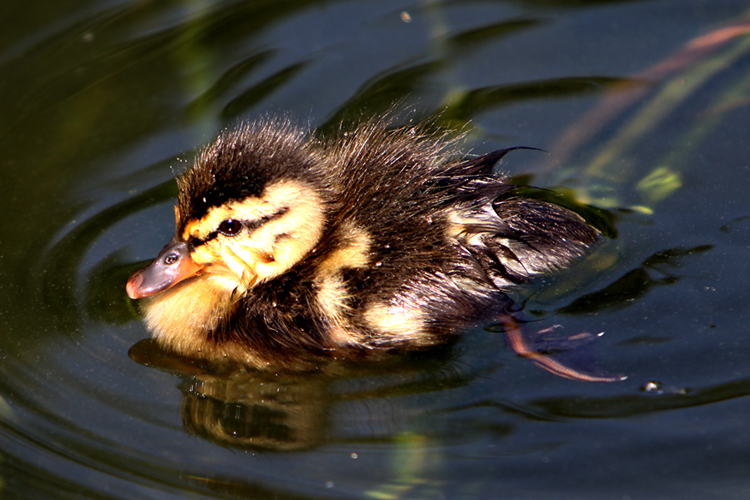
[[643, 107]]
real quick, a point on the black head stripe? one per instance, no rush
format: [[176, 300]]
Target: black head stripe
[[244, 162], [251, 226]]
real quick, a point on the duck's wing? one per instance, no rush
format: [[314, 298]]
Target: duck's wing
[[517, 238], [540, 236], [485, 164]]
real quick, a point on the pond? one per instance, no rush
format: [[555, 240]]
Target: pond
[[642, 107]]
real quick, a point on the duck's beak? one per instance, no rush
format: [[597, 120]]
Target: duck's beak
[[172, 265]]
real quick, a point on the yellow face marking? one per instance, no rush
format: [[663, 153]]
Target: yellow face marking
[[295, 218], [250, 209]]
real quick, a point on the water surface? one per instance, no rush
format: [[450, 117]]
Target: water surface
[[643, 107]]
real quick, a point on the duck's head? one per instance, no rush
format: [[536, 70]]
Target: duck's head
[[253, 205]]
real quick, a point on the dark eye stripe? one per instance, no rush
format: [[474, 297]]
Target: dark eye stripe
[[251, 226]]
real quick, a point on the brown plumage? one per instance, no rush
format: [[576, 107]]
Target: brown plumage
[[289, 246]]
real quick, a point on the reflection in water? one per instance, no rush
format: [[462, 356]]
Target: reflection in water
[[256, 410], [245, 409], [288, 411]]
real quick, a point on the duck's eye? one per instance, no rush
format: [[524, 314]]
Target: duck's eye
[[171, 259], [230, 227]]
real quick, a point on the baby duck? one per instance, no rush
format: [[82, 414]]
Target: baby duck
[[290, 246]]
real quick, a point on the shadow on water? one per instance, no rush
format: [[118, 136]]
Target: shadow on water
[[657, 270], [630, 405]]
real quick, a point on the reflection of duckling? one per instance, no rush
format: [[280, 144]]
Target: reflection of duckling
[[288, 245]]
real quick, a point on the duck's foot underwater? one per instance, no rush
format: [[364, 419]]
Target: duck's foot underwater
[[569, 357]]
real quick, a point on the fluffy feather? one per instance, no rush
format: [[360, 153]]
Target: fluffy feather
[[391, 240]]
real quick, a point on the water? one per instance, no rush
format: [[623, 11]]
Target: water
[[102, 101]]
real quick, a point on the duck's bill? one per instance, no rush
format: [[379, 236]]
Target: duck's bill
[[172, 265]]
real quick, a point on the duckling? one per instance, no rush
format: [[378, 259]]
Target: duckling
[[291, 246]]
